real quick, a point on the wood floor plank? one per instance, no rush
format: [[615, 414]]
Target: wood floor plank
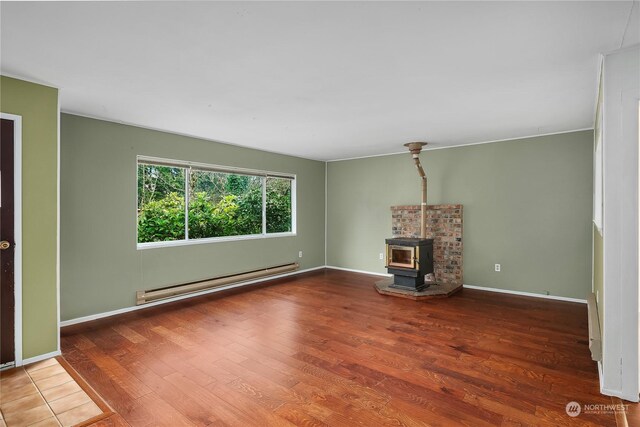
[[297, 416], [324, 349], [226, 414], [115, 420], [152, 410]]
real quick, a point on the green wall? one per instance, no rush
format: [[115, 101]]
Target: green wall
[[527, 206], [38, 106], [101, 269]]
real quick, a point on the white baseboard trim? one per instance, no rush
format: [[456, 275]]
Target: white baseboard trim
[[332, 267], [178, 298], [209, 291], [45, 356], [526, 294], [480, 288]]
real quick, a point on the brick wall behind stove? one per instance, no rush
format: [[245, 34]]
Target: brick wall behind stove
[[444, 225]]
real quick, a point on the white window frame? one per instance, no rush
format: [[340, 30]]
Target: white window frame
[[188, 166]]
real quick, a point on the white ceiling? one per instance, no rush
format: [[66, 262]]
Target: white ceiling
[[322, 80]]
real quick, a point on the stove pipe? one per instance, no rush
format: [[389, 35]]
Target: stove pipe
[[414, 149]]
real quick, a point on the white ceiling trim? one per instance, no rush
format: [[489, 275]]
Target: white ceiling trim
[[427, 148], [186, 135], [30, 80]]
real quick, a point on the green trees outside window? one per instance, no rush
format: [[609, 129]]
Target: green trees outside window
[[220, 204], [278, 205], [161, 213]]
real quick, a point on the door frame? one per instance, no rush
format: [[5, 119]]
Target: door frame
[[17, 214]]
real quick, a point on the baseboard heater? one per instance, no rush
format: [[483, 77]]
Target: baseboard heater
[[144, 297], [595, 339]]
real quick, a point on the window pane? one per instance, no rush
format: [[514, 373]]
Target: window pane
[[278, 205], [160, 203], [222, 204]]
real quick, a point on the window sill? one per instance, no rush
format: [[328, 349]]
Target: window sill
[[172, 243]]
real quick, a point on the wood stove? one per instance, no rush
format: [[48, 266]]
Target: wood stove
[[409, 260]]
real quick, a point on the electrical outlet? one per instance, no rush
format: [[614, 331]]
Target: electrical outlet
[[300, 254], [498, 267], [381, 255]]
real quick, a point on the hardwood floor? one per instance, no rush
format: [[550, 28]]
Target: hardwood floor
[[325, 348]]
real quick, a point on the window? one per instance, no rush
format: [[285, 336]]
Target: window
[[187, 202]]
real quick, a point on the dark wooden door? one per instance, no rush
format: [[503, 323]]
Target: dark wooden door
[[7, 244]]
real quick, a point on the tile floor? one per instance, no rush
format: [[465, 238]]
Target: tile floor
[[43, 394]]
